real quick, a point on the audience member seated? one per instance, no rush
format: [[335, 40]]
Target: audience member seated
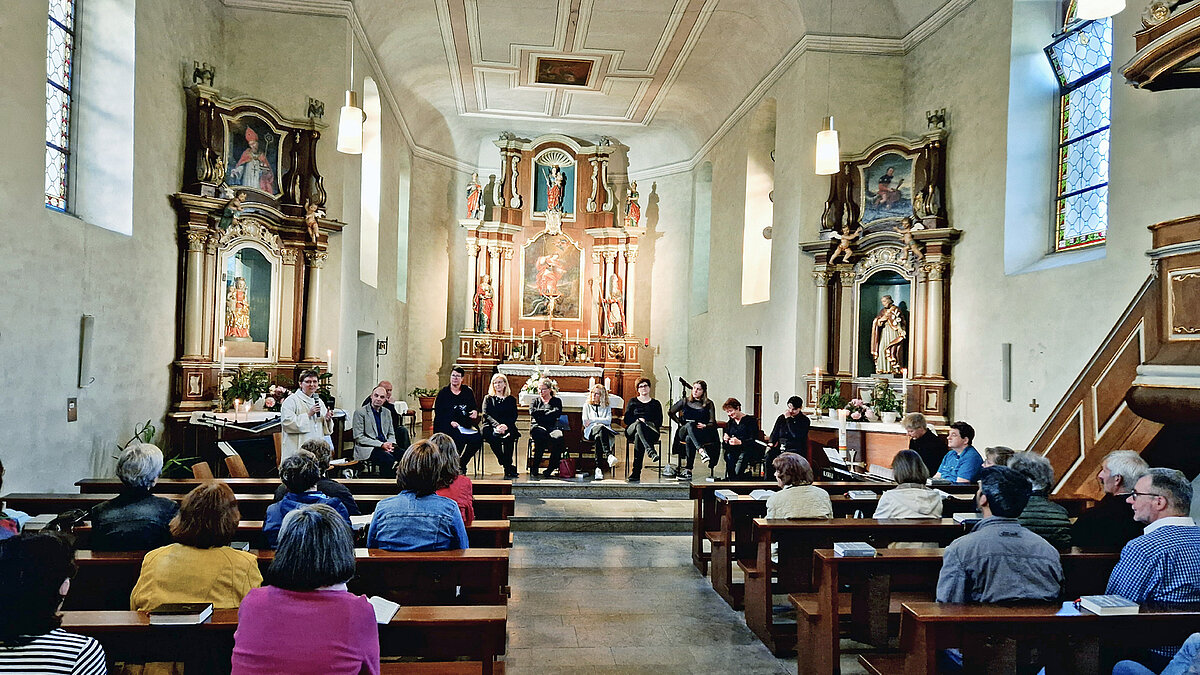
[[455, 413], [1187, 660], [544, 413], [10, 519], [1109, 524], [374, 433], [741, 441], [924, 440], [963, 462], [1162, 565], [299, 474], [500, 423], [418, 519], [910, 498], [322, 451], [304, 622], [797, 497], [451, 483], [200, 566], [643, 417], [997, 455], [697, 435], [597, 427], [1040, 515], [1000, 561], [402, 437], [135, 520], [37, 570], [790, 433]]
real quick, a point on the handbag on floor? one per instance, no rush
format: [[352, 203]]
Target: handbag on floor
[[566, 467]]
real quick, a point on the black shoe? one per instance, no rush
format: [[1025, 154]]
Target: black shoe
[[547, 474], [633, 478]]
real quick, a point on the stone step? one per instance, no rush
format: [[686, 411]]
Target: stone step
[[601, 514]]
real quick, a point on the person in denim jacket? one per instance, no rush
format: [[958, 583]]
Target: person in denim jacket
[[299, 474], [418, 519]]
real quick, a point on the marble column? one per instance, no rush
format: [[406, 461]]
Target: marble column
[[494, 266], [194, 304], [509, 295], [848, 327], [597, 292], [918, 323], [631, 253], [821, 278], [312, 314], [935, 367], [473, 249], [287, 306], [210, 279]]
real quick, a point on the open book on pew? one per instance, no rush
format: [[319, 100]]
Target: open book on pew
[[384, 609], [359, 522], [1105, 605], [967, 517], [180, 613], [761, 495]]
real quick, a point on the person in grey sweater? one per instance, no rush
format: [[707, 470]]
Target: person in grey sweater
[[1041, 515]]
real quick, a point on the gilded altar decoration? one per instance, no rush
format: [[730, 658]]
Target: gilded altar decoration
[[237, 311], [633, 210], [474, 197], [483, 304], [889, 336]]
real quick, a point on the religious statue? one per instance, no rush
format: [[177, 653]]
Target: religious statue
[[482, 304], [555, 182], [253, 169], [474, 197], [311, 214], [889, 336], [232, 211], [633, 210], [905, 230], [614, 315], [237, 311], [845, 247]]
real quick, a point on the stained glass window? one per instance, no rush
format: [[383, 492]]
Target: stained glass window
[[1082, 58], [60, 52]]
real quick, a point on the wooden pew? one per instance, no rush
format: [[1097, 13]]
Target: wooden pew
[[732, 540], [474, 576], [870, 590], [1075, 641], [252, 506], [480, 534], [793, 573], [432, 632], [357, 486]]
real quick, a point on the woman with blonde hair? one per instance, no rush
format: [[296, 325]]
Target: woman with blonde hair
[[544, 413], [597, 427], [450, 482], [500, 423]]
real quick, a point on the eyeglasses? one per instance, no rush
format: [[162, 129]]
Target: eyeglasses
[[1135, 494]]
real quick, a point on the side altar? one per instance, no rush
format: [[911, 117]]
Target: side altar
[[550, 266]]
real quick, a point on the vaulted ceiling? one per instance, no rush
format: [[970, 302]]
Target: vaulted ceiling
[[661, 76]]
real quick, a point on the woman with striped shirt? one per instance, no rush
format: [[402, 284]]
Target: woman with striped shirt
[[36, 570]]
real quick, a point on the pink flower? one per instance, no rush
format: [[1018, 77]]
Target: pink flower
[[856, 415], [269, 402], [271, 390]]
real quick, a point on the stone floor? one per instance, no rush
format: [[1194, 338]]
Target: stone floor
[[624, 603]]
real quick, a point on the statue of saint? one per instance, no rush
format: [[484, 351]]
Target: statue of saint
[[237, 311], [614, 315], [311, 214], [555, 181], [232, 211], [889, 336], [905, 230], [474, 197], [633, 210], [482, 304]]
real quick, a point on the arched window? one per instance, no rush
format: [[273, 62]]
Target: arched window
[[369, 188], [1081, 56], [60, 57], [760, 212]]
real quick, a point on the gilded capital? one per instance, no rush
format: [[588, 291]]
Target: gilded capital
[[196, 241], [316, 259], [822, 277], [288, 255]]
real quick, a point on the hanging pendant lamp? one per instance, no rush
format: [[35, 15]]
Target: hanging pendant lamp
[[829, 154], [350, 122], [1086, 10]]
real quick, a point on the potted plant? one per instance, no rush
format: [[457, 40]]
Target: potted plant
[[424, 396], [831, 400], [247, 385], [885, 402]]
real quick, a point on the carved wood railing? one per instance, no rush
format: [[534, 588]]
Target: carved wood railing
[[1092, 419]]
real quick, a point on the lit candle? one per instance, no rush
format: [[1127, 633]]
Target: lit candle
[[842, 414], [222, 358], [607, 383], [237, 403], [522, 334], [817, 384]]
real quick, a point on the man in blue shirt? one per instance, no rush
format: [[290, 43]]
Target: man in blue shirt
[[1162, 565], [963, 462]]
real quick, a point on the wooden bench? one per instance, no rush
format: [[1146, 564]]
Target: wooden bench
[[252, 506], [474, 576], [866, 593], [1001, 639], [793, 573], [478, 633], [357, 486], [480, 534]]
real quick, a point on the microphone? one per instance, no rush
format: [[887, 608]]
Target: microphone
[[684, 383]]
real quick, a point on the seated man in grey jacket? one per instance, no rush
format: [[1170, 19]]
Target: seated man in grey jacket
[[1000, 561], [374, 435]]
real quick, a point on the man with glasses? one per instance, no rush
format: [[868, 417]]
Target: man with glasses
[[1163, 564]]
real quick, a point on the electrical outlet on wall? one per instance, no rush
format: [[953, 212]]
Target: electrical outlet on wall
[[72, 409]]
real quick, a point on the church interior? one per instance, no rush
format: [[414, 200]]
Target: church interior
[[1000, 230]]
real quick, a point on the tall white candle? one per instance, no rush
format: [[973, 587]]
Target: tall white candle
[[237, 404], [817, 380], [903, 390], [522, 334], [842, 428]]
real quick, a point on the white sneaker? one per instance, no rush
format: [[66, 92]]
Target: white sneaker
[[612, 460], [599, 474], [703, 455], [668, 471]]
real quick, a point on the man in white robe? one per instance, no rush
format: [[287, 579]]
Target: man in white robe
[[304, 416]]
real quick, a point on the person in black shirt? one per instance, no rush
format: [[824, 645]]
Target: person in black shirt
[[456, 415], [403, 439], [544, 413], [923, 440], [741, 441], [135, 520], [500, 423], [790, 433], [1109, 524], [643, 417], [697, 420]]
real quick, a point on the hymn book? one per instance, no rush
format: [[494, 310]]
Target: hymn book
[[384, 609], [1105, 605], [862, 494], [854, 549], [180, 613]]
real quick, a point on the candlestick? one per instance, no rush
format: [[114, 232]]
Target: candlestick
[[222, 358], [903, 390]]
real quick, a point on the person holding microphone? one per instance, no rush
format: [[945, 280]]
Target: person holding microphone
[[304, 416]]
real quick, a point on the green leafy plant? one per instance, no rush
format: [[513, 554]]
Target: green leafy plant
[[246, 386], [832, 400], [422, 392], [173, 467], [884, 398]]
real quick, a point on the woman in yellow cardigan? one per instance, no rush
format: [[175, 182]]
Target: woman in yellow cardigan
[[200, 566]]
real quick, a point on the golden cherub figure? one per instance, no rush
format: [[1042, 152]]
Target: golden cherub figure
[[905, 230], [846, 246]]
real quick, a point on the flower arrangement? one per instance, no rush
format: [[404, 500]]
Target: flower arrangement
[[246, 385], [858, 409], [275, 396], [531, 385]]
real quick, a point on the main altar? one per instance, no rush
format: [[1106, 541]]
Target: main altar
[[551, 254]]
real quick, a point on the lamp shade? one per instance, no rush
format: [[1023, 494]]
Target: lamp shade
[[350, 126], [1087, 10], [829, 154]]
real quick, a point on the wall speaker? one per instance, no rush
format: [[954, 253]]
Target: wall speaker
[[1006, 371], [86, 329]]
